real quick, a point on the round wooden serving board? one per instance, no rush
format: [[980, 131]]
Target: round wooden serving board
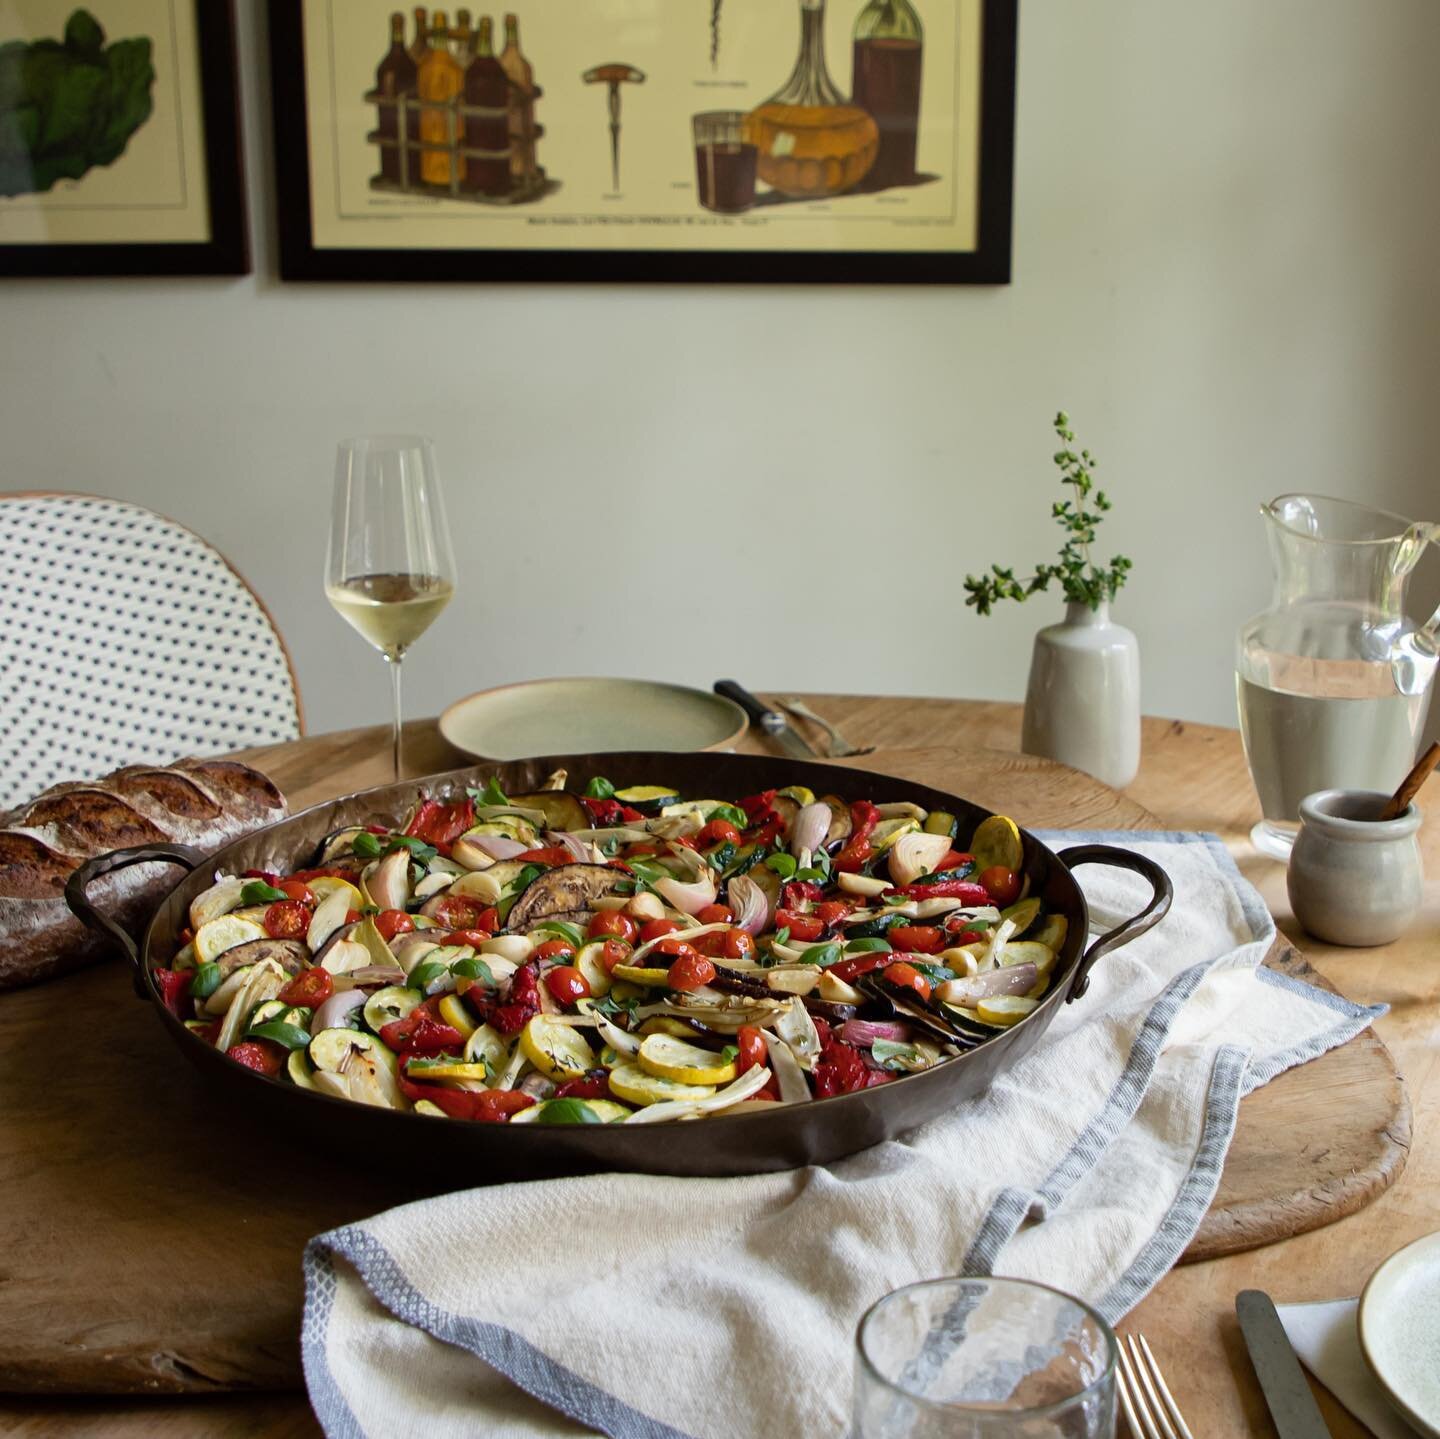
[[150, 1239]]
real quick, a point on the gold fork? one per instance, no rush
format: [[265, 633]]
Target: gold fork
[[1150, 1408], [840, 747]]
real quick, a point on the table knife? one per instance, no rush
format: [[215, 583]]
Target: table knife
[[771, 722], [1292, 1405]]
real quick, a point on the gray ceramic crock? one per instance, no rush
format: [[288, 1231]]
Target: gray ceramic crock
[[1354, 879]]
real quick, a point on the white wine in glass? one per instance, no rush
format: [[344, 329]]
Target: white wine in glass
[[390, 569]]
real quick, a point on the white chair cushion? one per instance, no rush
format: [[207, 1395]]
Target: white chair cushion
[[125, 638]]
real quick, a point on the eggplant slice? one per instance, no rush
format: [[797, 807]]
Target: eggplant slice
[[289, 954], [561, 810], [567, 890]]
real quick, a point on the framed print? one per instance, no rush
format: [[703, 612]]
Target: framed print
[[120, 139], [732, 140]]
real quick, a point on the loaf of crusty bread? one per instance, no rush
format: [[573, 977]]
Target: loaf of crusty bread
[[202, 803]]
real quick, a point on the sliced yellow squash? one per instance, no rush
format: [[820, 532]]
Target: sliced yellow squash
[[1022, 914], [424, 1106], [640, 974], [639, 1086], [1028, 951], [592, 969], [328, 883], [997, 841], [1053, 932], [670, 1057], [556, 1050], [1006, 1009], [487, 1046], [450, 1069], [456, 1015], [798, 793], [218, 935], [889, 830]]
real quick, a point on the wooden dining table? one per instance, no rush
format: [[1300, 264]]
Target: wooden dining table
[[1192, 777]]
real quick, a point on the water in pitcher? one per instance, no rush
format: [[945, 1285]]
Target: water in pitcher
[[1333, 680]]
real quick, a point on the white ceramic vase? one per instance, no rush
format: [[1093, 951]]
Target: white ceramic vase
[[1082, 706]]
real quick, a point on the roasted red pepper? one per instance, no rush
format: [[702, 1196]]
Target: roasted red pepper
[[487, 1106], [916, 938], [606, 813], [863, 819], [965, 890], [851, 969], [757, 806], [593, 1086], [800, 894], [803, 927], [174, 987], [261, 1055], [441, 824], [420, 1032], [840, 1068], [523, 1003], [555, 854]]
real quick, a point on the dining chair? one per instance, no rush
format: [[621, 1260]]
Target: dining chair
[[125, 638]]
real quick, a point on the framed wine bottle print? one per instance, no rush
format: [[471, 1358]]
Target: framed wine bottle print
[[730, 140], [120, 139]]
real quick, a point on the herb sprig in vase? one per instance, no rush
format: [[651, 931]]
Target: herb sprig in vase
[[1082, 704]]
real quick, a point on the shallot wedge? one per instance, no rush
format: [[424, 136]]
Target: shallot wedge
[[1016, 979]]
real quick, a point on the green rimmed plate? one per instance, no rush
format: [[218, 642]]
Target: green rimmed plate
[[591, 716]]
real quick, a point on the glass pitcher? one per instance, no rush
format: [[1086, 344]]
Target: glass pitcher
[[1333, 680]]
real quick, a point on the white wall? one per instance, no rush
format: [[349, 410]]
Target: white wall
[[1227, 231]]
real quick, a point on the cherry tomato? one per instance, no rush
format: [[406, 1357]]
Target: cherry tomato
[[311, 987], [916, 938], [906, 976], [613, 952], [566, 983], [676, 949], [801, 926], [352, 916], [611, 922], [715, 914], [456, 912], [473, 937], [495, 1106], [657, 929], [174, 987], [718, 831], [488, 919], [391, 922], [727, 944], [1003, 884], [297, 889], [261, 1055], [851, 969], [831, 911], [555, 949], [287, 919], [690, 971], [752, 1048]]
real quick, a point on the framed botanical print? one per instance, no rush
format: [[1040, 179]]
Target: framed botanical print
[[733, 140], [119, 139]]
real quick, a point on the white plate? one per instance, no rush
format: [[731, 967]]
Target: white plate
[[590, 716], [1399, 1323]]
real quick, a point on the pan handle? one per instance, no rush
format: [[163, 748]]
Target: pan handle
[[1132, 928], [78, 884]]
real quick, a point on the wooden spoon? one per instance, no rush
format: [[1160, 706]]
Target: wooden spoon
[[1399, 802]]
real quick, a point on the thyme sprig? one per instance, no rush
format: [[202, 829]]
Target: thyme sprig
[[1081, 580]]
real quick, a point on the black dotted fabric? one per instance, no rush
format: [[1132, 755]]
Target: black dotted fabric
[[125, 639]]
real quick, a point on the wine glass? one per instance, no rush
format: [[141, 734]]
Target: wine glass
[[390, 569]]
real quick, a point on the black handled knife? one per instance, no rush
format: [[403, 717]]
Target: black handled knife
[[1292, 1405], [771, 722]]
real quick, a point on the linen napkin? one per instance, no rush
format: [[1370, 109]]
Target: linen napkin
[[633, 1305], [1325, 1337]]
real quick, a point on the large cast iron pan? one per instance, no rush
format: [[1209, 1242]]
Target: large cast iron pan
[[782, 1138]]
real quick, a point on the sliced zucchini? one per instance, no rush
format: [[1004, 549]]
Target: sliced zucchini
[[300, 1070], [271, 1009], [330, 1050], [648, 796]]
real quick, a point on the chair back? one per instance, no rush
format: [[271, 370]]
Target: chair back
[[125, 639]]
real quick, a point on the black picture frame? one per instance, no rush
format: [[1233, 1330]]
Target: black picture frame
[[227, 252], [988, 264]]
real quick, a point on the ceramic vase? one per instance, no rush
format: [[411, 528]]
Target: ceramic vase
[[1082, 706]]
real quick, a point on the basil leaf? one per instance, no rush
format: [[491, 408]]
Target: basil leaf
[[492, 793], [935, 973], [729, 1054], [417, 847], [869, 946], [650, 873], [205, 981], [567, 932], [258, 892], [732, 813], [599, 788], [473, 967], [366, 845], [783, 864], [424, 973], [610, 1005], [290, 1035], [812, 875], [821, 954], [567, 1111], [780, 935], [887, 1053]]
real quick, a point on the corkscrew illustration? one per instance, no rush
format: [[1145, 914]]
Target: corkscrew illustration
[[715, 34]]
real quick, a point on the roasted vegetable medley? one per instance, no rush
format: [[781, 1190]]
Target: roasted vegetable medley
[[618, 956]]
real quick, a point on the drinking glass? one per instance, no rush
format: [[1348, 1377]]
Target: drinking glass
[[978, 1358], [724, 162], [390, 569]]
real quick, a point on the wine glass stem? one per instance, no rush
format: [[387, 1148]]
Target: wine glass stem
[[395, 691]]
